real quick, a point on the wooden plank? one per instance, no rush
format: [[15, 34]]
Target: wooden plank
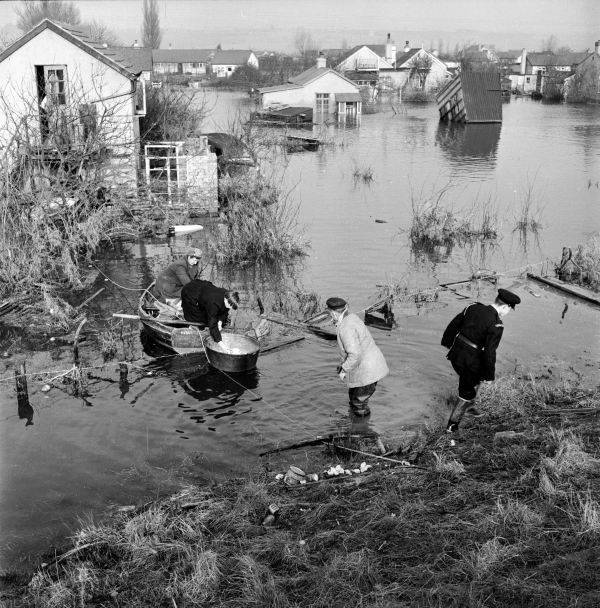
[[573, 290]]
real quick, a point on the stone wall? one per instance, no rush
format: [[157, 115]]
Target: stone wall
[[201, 181]]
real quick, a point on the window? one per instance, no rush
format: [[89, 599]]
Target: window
[[195, 65], [322, 105], [55, 77], [527, 80]]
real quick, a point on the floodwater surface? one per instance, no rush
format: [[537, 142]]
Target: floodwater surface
[[175, 419]]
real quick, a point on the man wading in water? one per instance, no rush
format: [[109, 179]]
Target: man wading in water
[[363, 364], [473, 337]]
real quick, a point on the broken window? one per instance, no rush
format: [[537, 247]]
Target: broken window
[[51, 81]]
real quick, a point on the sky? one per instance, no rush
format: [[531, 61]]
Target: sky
[[272, 24]]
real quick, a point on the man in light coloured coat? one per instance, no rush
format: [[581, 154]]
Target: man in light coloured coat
[[363, 364]]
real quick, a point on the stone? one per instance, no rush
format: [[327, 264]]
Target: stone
[[507, 437]]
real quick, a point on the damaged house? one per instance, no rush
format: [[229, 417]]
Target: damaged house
[[64, 96]]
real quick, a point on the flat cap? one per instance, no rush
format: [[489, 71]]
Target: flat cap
[[336, 303], [195, 253], [508, 297]]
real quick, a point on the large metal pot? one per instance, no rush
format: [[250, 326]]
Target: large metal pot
[[243, 358]]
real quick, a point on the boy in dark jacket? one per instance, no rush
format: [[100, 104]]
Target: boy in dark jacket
[[472, 338], [171, 280], [208, 304]]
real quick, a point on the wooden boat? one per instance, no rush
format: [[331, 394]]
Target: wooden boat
[[166, 326]]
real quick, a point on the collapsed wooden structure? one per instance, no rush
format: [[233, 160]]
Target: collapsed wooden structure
[[471, 97]]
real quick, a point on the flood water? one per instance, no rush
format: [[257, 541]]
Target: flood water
[[176, 419]]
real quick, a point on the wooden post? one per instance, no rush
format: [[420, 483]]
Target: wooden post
[[123, 381], [23, 406]]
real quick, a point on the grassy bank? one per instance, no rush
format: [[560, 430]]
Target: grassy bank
[[509, 519]]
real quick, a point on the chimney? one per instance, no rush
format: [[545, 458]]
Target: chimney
[[407, 47], [523, 61], [597, 47], [321, 61], [390, 50]]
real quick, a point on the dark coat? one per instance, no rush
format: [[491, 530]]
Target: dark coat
[[203, 302], [481, 325], [174, 277]]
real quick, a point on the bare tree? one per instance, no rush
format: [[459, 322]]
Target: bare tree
[[100, 32], [151, 31], [306, 46], [31, 12], [550, 44]]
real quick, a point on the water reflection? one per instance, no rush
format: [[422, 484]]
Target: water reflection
[[469, 143]]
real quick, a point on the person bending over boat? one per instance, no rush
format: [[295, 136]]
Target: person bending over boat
[[205, 303], [171, 280]]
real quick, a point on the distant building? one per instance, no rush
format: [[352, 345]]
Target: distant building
[[224, 63], [584, 83], [416, 69], [191, 62], [320, 88], [368, 57]]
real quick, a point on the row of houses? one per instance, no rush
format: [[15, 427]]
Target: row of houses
[[356, 76], [533, 72]]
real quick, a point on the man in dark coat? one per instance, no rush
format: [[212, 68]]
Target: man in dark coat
[[209, 305], [170, 281], [472, 338]]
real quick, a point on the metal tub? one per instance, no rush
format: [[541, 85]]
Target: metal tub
[[243, 360]]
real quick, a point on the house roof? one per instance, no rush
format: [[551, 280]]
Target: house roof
[[231, 57], [297, 82], [366, 75], [403, 56], [508, 55], [550, 59], [181, 55], [139, 57], [80, 39], [378, 49], [482, 96]]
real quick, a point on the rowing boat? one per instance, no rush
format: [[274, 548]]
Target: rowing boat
[[166, 326]]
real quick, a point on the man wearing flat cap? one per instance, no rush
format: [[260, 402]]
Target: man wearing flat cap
[[472, 338], [363, 364], [170, 281]]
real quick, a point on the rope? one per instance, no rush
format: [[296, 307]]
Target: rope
[[116, 284], [256, 395]]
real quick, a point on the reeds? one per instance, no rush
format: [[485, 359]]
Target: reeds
[[260, 225], [435, 223]]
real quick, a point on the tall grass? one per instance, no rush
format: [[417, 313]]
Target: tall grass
[[260, 225], [436, 223]]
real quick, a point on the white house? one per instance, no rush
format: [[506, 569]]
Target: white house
[[417, 69], [320, 88], [60, 90], [224, 63], [368, 57]]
